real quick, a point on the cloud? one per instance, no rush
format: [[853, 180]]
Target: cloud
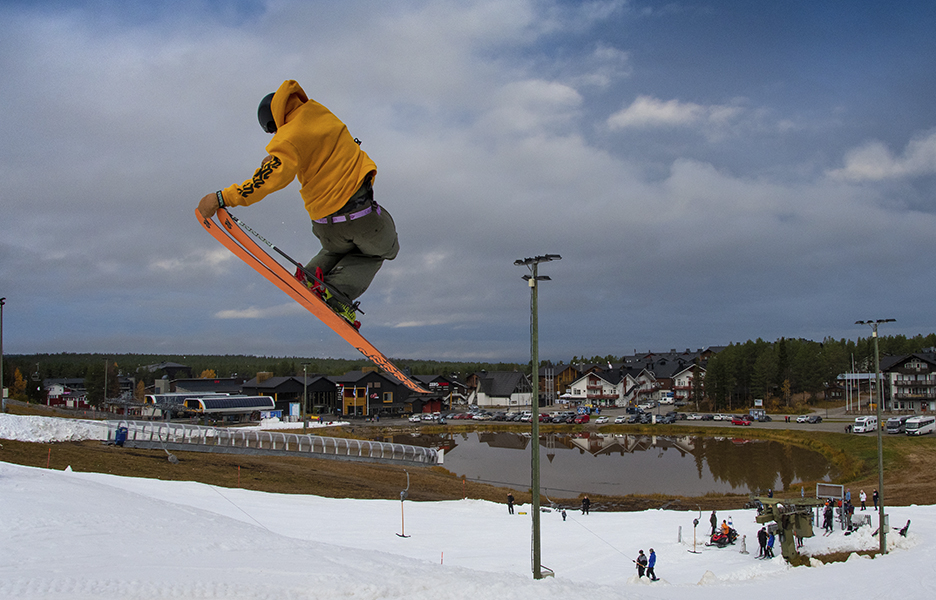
[[489, 125], [649, 112], [198, 261], [253, 312], [532, 107], [875, 162]]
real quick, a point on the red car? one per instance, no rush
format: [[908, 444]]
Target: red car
[[581, 419], [741, 420]]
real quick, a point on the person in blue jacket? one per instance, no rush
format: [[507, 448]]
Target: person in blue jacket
[[770, 541], [651, 562]]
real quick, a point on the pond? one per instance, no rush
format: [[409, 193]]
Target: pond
[[621, 464]]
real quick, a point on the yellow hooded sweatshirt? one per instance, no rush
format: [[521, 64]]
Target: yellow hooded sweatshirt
[[312, 144]]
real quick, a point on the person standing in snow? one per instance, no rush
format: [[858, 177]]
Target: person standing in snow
[[586, 505], [874, 497], [312, 145], [563, 514], [762, 542], [641, 563], [863, 498], [651, 563], [714, 521], [510, 502], [770, 541], [827, 519]]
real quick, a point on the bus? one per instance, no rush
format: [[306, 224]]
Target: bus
[[897, 424], [920, 425]]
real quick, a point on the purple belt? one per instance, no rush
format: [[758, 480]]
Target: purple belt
[[350, 216]]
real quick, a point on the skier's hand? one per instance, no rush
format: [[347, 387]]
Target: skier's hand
[[208, 205]]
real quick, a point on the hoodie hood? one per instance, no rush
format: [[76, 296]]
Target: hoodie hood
[[287, 98]]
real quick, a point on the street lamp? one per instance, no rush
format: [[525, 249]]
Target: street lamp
[[2, 395], [532, 264], [877, 383], [305, 390]]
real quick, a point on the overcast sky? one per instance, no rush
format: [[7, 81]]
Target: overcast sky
[[710, 171]]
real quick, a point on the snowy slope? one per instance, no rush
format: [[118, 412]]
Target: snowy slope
[[85, 535]]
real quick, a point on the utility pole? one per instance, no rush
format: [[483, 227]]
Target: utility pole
[[532, 264], [882, 529]]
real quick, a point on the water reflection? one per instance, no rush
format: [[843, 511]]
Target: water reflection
[[627, 464]]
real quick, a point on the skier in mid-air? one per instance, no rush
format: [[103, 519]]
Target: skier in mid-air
[[312, 144]]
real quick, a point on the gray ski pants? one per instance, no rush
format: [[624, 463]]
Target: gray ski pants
[[353, 251]]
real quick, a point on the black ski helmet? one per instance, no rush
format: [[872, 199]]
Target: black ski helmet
[[265, 114]]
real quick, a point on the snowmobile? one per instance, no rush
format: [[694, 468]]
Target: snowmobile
[[721, 540]]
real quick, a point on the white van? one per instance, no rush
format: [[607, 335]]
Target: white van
[[864, 424], [920, 425]]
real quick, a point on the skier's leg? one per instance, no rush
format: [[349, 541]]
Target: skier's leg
[[372, 240]]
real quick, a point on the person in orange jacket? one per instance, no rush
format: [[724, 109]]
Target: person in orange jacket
[[312, 145]]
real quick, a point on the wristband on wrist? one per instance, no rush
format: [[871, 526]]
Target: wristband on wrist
[[220, 199]]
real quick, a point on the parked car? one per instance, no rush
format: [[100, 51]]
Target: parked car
[[620, 419], [741, 420], [601, 420], [415, 418], [579, 419], [802, 418], [694, 417], [666, 419], [814, 419]]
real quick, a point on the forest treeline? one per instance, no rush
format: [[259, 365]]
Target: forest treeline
[[778, 371], [734, 377], [23, 374]]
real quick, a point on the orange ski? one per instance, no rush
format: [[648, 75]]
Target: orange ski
[[238, 242]]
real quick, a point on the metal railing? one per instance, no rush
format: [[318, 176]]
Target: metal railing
[[153, 433]]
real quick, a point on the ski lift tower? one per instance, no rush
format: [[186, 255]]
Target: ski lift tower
[[532, 264]]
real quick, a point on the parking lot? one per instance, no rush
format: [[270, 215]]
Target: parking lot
[[831, 420]]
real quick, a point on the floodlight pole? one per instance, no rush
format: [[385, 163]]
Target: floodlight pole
[[532, 264], [882, 530]]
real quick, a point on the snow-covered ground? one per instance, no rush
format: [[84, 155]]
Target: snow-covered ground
[[68, 535]]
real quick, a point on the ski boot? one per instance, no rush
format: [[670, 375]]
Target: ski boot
[[345, 311]]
